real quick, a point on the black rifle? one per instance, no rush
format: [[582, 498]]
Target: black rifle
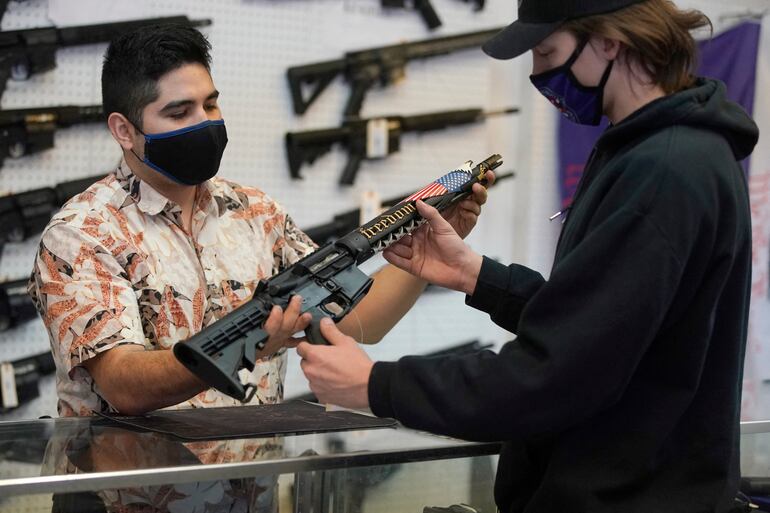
[[329, 282], [28, 131], [342, 223], [356, 135], [362, 69], [27, 373], [28, 51], [26, 213], [16, 306], [426, 10]]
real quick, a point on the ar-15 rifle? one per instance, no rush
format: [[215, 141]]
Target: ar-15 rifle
[[26, 213], [426, 10], [27, 131], [367, 139], [328, 281], [342, 223], [362, 69], [28, 51], [19, 379], [16, 306]]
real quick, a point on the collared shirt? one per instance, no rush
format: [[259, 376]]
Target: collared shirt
[[115, 266]]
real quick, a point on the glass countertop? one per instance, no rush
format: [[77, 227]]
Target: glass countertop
[[92, 453]]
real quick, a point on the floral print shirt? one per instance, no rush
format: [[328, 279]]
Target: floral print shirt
[[115, 266]]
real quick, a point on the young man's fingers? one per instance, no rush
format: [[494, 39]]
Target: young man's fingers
[[472, 207], [332, 334], [433, 217], [406, 240], [396, 260], [480, 194], [304, 350], [402, 251]]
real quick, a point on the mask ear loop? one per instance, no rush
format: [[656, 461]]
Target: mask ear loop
[[582, 43], [145, 141], [602, 84]]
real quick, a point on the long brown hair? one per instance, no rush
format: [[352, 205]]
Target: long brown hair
[[655, 34]]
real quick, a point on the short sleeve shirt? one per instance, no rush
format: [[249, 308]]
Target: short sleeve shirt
[[115, 266]]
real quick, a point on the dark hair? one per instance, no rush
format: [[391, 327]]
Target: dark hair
[[134, 63], [655, 34]]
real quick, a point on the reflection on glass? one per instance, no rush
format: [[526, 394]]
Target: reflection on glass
[[104, 449]]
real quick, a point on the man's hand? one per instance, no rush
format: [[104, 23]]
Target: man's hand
[[281, 325], [463, 216], [436, 253], [338, 373]]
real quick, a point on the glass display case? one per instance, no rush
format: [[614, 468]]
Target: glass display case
[[92, 464]]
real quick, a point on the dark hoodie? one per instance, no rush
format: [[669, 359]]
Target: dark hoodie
[[621, 392]]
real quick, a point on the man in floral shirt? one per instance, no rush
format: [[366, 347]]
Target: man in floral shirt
[[161, 248]]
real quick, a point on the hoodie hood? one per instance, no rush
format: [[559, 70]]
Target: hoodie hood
[[704, 106]]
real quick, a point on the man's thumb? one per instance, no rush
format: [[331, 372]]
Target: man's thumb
[[331, 332], [433, 216]]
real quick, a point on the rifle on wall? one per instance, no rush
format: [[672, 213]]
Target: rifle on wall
[[426, 9], [375, 138], [28, 131], [362, 69], [16, 306], [347, 221], [19, 379], [328, 280], [26, 52]]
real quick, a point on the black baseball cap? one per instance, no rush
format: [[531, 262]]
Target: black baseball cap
[[538, 19]]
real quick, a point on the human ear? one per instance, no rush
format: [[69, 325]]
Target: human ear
[[123, 131], [610, 48]]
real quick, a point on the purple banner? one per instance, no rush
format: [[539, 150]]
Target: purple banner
[[730, 57]]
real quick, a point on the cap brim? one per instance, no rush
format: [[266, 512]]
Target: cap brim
[[519, 37]]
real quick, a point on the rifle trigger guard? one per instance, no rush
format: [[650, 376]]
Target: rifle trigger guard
[[250, 391]]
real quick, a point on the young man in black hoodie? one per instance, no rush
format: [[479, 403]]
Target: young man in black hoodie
[[621, 392]]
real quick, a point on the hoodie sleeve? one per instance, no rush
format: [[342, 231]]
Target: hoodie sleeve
[[503, 292]]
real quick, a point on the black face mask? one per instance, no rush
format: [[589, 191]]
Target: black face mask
[[188, 156]]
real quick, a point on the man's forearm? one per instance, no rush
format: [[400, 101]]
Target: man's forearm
[[135, 381], [393, 293]]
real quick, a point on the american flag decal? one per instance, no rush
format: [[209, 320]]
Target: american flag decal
[[450, 182]]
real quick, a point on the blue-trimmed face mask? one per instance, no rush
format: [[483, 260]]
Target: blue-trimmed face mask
[[578, 103], [190, 155]]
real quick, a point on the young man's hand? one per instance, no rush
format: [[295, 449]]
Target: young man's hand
[[436, 253], [337, 373], [463, 216]]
